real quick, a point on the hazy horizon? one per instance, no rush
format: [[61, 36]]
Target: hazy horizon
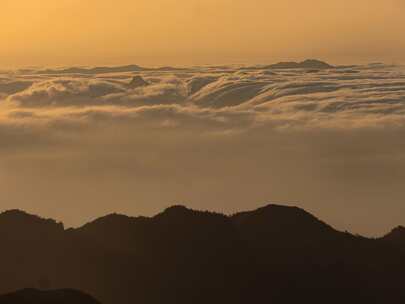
[[168, 32], [187, 66]]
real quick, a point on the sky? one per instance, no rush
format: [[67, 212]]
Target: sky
[[194, 32]]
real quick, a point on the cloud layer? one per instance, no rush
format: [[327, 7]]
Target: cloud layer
[[224, 138], [352, 96]]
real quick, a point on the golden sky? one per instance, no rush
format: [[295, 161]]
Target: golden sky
[[155, 32]]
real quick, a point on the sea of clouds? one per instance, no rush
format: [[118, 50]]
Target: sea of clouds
[[342, 97], [222, 138]]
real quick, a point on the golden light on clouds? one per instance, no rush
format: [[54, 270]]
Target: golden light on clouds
[[157, 32]]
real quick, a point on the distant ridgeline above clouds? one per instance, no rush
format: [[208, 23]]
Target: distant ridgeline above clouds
[[274, 254], [307, 64]]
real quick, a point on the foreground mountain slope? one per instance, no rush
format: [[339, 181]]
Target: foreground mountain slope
[[35, 296], [276, 254]]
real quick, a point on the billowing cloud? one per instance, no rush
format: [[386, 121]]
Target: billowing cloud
[[355, 95]]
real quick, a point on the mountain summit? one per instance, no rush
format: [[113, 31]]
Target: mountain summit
[[137, 81], [282, 221], [306, 64]]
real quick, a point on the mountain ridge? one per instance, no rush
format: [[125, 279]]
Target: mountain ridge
[[182, 255], [21, 214], [180, 210]]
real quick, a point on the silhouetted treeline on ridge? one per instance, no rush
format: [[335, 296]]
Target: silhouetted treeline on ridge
[[274, 254]]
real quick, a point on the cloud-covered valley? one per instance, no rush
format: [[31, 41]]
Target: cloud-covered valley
[[223, 138]]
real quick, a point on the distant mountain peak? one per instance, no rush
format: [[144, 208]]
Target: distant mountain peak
[[291, 224], [22, 222], [16, 214], [176, 210], [138, 81], [179, 214], [111, 221], [306, 64], [278, 209], [183, 210], [278, 206], [314, 61]]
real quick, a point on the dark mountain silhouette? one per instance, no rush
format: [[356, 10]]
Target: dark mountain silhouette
[[307, 64], [169, 69], [274, 254], [30, 227], [286, 227], [396, 236], [34, 296], [137, 81]]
